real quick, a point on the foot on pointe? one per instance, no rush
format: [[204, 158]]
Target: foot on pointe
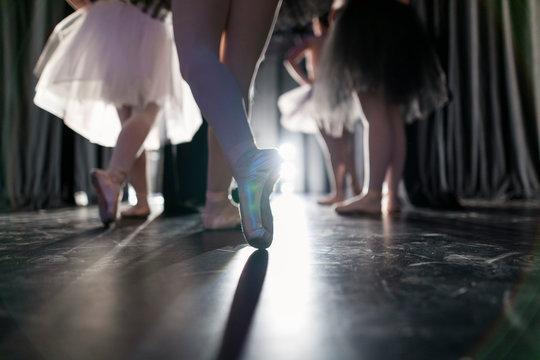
[[108, 190], [257, 172]]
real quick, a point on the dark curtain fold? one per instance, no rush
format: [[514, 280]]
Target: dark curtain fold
[[486, 142], [42, 163]]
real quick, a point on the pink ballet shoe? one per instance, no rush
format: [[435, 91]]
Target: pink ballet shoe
[[369, 204], [219, 212], [136, 212], [109, 191], [255, 186]]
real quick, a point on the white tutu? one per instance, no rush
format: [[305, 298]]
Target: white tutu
[[108, 55], [299, 114], [296, 111]]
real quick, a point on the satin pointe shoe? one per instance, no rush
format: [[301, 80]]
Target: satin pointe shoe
[[369, 204], [255, 185], [109, 191], [219, 212]]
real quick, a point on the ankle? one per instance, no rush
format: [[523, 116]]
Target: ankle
[[239, 152], [373, 194], [117, 175]]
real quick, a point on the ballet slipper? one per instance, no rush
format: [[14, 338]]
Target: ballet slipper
[[369, 204], [219, 212], [331, 199], [108, 186], [257, 172]]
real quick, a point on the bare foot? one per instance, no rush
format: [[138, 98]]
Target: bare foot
[[219, 212], [141, 211], [330, 199], [361, 204], [392, 204]]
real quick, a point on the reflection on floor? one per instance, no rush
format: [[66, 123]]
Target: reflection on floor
[[420, 285]]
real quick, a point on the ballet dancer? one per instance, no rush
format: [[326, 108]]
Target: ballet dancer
[[110, 70], [298, 114], [379, 50]]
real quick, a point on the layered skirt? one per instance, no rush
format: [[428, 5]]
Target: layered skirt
[[379, 46], [299, 113], [109, 55]]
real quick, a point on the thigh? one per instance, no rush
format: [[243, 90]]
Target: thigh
[[199, 24], [246, 36]]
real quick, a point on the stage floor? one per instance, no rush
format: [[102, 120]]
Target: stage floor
[[419, 285]]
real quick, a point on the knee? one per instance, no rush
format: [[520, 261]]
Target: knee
[[194, 62]]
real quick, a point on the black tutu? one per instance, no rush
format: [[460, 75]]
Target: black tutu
[[299, 13], [381, 45]]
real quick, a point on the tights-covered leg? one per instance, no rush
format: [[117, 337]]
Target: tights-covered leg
[[128, 147], [219, 212], [218, 87]]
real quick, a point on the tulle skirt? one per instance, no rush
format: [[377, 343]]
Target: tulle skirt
[[380, 46], [299, 113], [108, 55]]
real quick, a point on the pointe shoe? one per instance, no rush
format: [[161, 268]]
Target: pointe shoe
[[136, 212], [255, 185], [219, 212], [109, 191], [369, 204]]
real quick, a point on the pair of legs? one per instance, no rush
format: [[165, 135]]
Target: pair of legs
[[220, 43], [386, 160], [340, 160], [128, 158]]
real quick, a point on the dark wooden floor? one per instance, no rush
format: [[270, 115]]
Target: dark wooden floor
[[421, 285]]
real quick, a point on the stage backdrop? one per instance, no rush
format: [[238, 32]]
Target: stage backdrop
[[485, 143]]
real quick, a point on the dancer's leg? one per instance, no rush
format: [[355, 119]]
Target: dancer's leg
[[198, 28], [136, 175], [109, 183], [219, 212], [131, 138], [397, 161], [333, 149], [373, 105], [218, 91]]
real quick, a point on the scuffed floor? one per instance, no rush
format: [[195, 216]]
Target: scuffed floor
[[419, 285]]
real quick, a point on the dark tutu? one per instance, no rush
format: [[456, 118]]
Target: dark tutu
[[381, 45], [299, 13]]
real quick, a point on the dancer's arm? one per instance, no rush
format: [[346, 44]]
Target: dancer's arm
[[292, 62], [77, 4]]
